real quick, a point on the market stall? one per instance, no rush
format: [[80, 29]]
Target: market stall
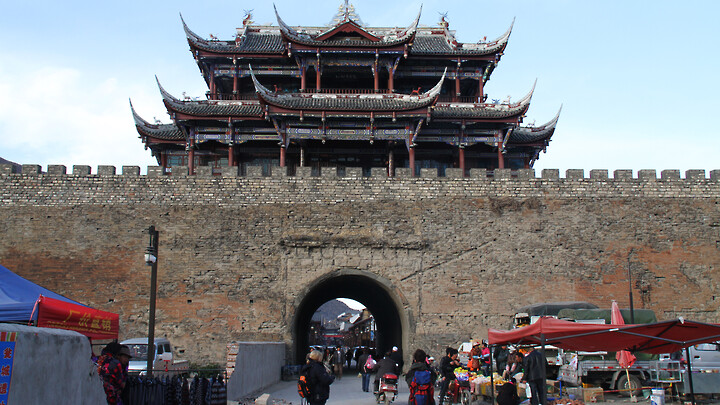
[[660, 337], [22, 301]]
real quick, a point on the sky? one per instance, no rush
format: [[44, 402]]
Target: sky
[[637, 80]]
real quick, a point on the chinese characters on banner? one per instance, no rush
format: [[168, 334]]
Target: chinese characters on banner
[[7, 353], [90, 322]]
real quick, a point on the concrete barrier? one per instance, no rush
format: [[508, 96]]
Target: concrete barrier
[[258, 365], [52, 366]]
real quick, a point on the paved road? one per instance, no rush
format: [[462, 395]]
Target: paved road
[[344, 391]]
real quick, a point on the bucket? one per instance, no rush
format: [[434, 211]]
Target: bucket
[[657, 396]]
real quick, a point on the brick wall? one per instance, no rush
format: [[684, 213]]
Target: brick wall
[[238, 253]]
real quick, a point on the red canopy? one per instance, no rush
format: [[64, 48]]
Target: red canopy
[[92, 323], [660, 337]]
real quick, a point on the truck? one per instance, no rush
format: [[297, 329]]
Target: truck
[[530, 314], [164, 362], [601, 368]]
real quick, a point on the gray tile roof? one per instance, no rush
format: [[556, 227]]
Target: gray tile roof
[[249, 42], [158, 131], [348, 102], [479, 111], [212, 108], [524, 135], [384, 41]]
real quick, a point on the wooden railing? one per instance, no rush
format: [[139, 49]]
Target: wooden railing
[[229, 96]]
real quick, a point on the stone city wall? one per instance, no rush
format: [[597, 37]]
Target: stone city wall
[[461, 254]]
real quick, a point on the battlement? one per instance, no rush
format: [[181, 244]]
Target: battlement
[[356, 172]]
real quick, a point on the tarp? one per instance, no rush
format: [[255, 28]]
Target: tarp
[[552, 308], [659, 337], [24, 301], [639, 315]]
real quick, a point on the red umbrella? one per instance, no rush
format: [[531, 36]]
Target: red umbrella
[[624, 357]]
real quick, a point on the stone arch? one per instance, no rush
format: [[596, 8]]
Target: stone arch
[[389, 307]]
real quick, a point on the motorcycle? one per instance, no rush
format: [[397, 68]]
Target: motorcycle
[[387, 390]]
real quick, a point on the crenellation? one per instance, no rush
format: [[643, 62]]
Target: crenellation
[[104, 170], [155, 171], [31, 169], [133, 171], [623, 174], [204, 171], [278, 172], [599, 174], [330, 172], [229, 171], [6, 169], [378, 172], [670, 174], [647, 175], [551, 174], [403, 172], [56, 170], [353, 172], [303, 172], [525, 174], [81, 170], [451, 173], [429, 172], [575, 174], [715, 175], [502, 174], [695, 174], [254, 171]]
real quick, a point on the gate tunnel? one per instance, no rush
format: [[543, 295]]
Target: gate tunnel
[[366, 288]]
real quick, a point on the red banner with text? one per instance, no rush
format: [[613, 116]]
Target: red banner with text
[[92, 323]]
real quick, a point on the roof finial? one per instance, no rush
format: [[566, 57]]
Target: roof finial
[[248, 18], [443, 20], [347, 10]]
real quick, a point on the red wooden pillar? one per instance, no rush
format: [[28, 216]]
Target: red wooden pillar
[[235, 85], [231, 155], [303, 71], [163, 160], [191, 157], [376, 82], [457, 84], [391, 80], [481, 90], [412, 161], [282, 156], [461, 159], [212, 83], [501, 158]]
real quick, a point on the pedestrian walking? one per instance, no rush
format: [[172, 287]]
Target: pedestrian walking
[[421, 380], [318, 379], [534, 367], [363, 361]]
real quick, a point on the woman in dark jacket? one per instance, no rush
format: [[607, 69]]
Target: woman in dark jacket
[[318, 379]]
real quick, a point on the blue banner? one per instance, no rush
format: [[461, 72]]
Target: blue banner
[[7, 353]]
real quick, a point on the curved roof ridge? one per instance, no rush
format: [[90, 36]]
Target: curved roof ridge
[[258, 86], [435, 90], [284, 28], [504, 37], [191, 35], [165, 94], [526, 100], [138, 119], [412, 28]]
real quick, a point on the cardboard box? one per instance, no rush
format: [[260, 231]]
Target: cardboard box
[[593, 394]]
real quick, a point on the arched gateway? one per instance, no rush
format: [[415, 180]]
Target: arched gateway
[[381, 298]]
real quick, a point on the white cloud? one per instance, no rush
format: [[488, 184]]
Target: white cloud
[[59, 115]]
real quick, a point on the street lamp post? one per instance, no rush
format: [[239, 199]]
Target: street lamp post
[[151, 254]]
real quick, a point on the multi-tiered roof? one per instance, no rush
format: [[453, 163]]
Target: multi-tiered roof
[[345, 95]]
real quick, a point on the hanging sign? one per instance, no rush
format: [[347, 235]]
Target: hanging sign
[[7, 354]]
